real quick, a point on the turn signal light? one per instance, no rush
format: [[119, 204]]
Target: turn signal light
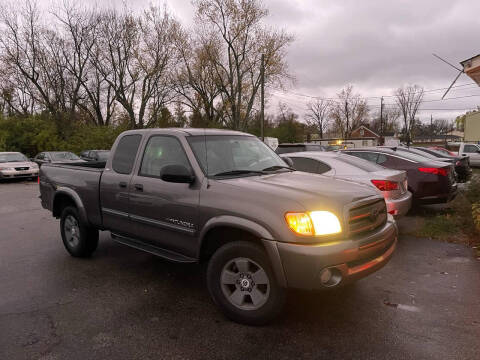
[[385, 185], [300, 223], [314, 223], [435, 171]]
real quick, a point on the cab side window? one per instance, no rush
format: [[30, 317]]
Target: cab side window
[[161, 151], [125, 153]]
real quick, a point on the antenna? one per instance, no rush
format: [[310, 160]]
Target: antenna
[[461, 71]]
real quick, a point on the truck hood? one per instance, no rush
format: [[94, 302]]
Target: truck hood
[[18, 164], [310, 191]]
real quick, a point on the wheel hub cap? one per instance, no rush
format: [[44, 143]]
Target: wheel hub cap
[[245, 284]]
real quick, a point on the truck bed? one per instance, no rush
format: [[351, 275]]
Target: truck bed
[[82, 178]]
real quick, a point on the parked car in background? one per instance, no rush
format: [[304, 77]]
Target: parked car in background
[[443, 150], [17, 165], [289, 148], [461, 163], [429, 181], [471, 150], [223, 198], [392, 184], [56, 157], [95, 155]]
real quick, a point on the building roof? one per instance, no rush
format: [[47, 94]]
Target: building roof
[[366, 128]]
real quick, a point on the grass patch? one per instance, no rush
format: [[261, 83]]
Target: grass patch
[[452, 222]]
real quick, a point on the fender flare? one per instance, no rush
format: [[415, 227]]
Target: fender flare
[[236, 222], [72, 194], [265, 237]]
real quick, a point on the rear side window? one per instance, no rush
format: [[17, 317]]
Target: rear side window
[[372, 157], [125, 154], [309, 165], [470, 149]]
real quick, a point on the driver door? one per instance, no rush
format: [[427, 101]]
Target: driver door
[[164, 213]]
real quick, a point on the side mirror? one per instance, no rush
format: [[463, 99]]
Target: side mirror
[[177, 174], [288, 161]]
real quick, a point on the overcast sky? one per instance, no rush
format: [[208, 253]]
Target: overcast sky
[[375, 45]]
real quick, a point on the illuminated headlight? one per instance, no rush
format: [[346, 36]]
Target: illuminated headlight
[[314, 223]]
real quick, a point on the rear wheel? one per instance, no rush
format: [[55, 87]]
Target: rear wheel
[[242, 283], [79, 239]]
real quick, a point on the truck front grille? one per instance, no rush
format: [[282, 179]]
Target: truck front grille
[[366, 218]]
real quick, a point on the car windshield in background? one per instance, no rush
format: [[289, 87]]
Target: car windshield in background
[[364, 165], [411, 156], [234, 155], [15, 157], [103, 155], [59, 156]]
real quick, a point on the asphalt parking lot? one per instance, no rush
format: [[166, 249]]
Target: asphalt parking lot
[[126, 304]]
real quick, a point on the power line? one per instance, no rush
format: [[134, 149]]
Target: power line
[[367, 97]]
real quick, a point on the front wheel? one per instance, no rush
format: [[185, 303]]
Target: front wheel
[[242, 283], [79, 239]]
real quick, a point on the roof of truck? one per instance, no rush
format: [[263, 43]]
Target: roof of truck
[[194, 131]]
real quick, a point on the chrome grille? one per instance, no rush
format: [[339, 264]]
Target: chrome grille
[[21, 168], [367, 217]]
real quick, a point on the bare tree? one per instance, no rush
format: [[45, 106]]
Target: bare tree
[[349, 111], [26, 47], [408, 100], [195, 78], [318, 115], [236, 25], [136, 56]]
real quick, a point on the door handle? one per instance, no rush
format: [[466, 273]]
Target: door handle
[[122, 184], [139, 187]]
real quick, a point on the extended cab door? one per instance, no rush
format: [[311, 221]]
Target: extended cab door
[[164, 213], [115, 182], [473, 151]]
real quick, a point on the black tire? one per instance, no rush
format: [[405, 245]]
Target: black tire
[[274, 299], [86, 239]]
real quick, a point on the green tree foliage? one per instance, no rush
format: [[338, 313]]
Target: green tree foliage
[[33, 134]]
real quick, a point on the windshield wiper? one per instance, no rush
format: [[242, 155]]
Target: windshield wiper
[[239, 172], [278, 167]]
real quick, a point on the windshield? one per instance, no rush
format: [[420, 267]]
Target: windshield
[[417, 152], [12, 157], [59, 156], [231, 153]]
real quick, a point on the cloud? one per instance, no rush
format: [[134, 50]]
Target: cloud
[[375, 45]]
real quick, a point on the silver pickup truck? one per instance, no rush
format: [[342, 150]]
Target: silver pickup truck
[[225, 199]]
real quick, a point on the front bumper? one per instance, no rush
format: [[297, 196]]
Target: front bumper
[[11, 174], [353, 259], [399, 206]]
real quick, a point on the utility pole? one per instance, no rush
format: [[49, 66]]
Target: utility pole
[[262, 97], [431, 127], [381, 120]]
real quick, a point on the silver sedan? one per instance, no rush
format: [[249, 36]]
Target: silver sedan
[[392, 184]]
